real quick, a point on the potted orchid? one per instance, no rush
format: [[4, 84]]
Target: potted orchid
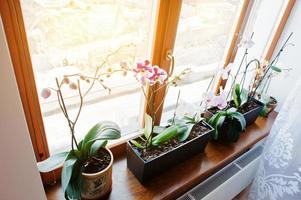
[[238, 97], [263, 78], [160, 148], [87, 167], [227, 122]]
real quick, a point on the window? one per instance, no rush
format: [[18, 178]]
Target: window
[[203, 32], [70, 37], [76, 36]]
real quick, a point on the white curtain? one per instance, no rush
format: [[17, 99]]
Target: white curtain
[[279, 174]]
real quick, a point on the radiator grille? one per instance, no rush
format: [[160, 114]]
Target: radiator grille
[[214, 181]]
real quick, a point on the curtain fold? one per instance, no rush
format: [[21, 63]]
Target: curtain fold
[[279, 173]]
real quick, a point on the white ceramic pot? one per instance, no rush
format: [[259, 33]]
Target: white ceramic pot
[[97, 185]]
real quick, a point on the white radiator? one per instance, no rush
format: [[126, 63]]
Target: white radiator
[[229, 181]]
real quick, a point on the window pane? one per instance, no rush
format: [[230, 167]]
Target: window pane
[[73, 37], [202, 35]]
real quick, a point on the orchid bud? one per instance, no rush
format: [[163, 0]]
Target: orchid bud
[[46, 92], [109, 70], [73, 86], [82, 77], [124, 66], [87, 80], [66, 80]]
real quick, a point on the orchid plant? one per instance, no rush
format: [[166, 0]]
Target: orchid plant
[[266, 71], [85, 151], [156, 79], [221, 100]]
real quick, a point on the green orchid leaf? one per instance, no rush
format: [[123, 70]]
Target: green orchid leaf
[[236, 95], [80, 145], [276, 69], [106, 134], [73, 190], [239, 118], [218, 125], [212, 121], [148, 121], [244, 96], [176, 121], [137, 144], [166, 135], [230, 110], [53, 162], [67, 170], [158, 129], [96, 146], [99, 130], [184, 132], [264, 111]]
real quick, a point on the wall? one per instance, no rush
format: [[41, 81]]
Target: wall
[[19, 175], [281, 85]]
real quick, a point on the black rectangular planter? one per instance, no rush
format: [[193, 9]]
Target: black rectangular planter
[[249, 116], [145, 170]]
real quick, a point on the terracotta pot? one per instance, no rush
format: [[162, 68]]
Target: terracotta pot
[[97, 185]]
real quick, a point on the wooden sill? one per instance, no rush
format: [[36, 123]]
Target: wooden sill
[[181, 178]]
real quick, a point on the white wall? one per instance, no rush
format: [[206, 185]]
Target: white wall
[[291, 57], [19, 175]]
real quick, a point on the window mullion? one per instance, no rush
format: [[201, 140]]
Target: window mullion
[[168, 14]]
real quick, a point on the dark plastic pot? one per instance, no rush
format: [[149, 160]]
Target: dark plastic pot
[[249, 116], [228, 132], [145, 170]]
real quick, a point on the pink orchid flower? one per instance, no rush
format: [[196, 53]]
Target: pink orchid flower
[[158, 75], [208, 98], [143, 71], [143, 67]]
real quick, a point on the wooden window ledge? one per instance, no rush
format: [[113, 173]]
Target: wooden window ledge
[[179, 179]]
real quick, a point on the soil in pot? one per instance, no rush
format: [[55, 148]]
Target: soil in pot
[[97, 163], [149, 154], [248, 106]]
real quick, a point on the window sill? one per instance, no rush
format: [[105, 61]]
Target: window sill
[[181, 178]]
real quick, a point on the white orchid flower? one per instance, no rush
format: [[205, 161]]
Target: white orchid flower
[[245, 43]]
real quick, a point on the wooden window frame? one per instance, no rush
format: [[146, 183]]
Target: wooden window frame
[[272, 44], [167, 18]]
